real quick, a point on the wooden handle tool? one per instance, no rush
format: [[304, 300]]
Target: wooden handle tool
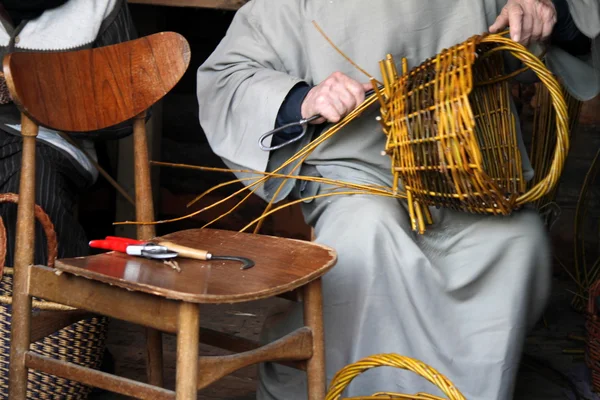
[[189, 252]]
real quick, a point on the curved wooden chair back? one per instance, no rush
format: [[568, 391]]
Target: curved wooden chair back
[[86, 90], [80, 91]]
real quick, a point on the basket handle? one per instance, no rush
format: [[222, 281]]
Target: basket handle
[[343, 378], [42, 218], [545, 185]]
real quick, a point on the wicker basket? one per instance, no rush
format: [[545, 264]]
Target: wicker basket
[[81, 343], [4, 93], [343, 378], [451, 131]]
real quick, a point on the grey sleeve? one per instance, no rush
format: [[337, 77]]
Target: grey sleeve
[[243, 84]]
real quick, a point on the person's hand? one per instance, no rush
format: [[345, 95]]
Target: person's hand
[[529, 20], [334, 98]]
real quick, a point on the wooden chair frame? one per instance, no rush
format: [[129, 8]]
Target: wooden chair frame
[[156, 308]]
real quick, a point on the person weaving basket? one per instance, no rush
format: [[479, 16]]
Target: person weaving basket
[[459, 297]]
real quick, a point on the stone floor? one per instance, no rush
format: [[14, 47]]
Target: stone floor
[[548, 350]]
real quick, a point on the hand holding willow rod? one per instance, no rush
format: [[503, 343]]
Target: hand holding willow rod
[[334, 98]]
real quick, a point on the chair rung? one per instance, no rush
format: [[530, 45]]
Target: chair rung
[[290, 350], [92, 377]]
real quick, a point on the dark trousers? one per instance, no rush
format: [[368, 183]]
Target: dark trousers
[[57, 186]]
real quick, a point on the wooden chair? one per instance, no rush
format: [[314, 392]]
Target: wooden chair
[[91, 89]]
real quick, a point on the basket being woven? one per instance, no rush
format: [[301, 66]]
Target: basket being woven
[[343, 378], [82, 343], [451, 130]]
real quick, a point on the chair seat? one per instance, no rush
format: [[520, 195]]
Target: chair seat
[[282, 265]]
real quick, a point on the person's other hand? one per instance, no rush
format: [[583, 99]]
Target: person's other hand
[[529, 20], [334, 98]]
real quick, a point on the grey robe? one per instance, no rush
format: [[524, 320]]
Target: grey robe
[[460, 297]]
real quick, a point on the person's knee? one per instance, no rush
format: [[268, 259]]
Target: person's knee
[[523, 236], [351, 222], [527, 227]]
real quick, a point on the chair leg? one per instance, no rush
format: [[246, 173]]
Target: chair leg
[[154, 357], [188, 342], [144, 211], [24, 256], [20, 338], [313, 318]]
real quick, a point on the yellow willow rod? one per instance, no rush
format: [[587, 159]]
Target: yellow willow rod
[[269, 205], [350, 117], [327, 135], [304, 152], [318, 196], [346, 185], [232, 209], [316, 179], [220, 185], [308, 148], [196, 212], [216, 187], [279, 189], [340, 52]]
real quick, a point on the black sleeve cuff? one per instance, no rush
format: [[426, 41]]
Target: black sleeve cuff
[[290, 110]]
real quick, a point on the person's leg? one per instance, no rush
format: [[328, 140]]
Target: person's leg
[[358, 296], [494, 275], [57, 186], [458, 298]]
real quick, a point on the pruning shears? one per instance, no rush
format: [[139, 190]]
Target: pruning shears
[[303, 123], [161, 250]]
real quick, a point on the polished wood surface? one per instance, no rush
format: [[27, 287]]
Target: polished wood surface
[[92, 89], [281, 265], [220, 4], [85, 294]]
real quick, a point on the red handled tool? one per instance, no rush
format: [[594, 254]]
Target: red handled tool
[[134, 247], [161, 250]]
